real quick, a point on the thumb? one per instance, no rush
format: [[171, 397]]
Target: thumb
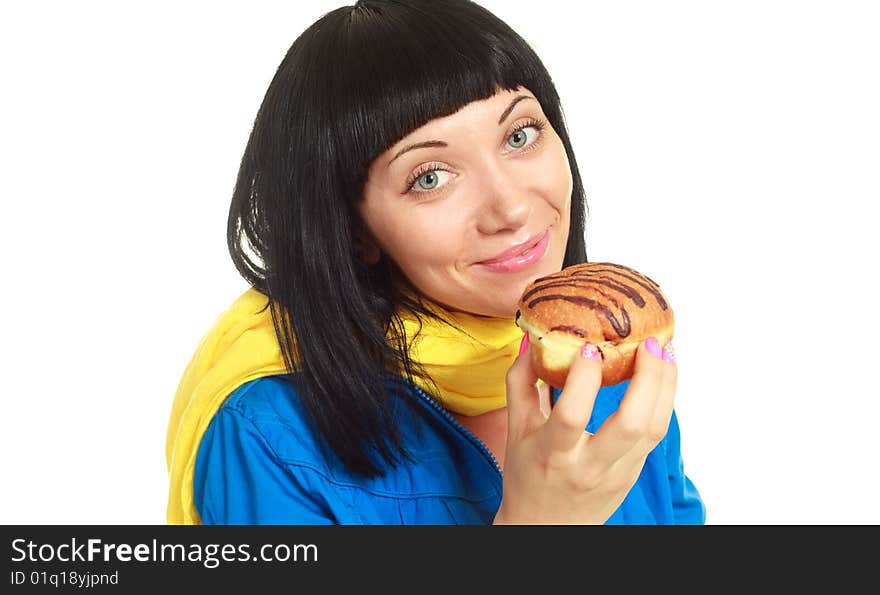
[[523, 399]]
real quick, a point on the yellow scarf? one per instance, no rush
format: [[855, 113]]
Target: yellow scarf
[[469, 372]]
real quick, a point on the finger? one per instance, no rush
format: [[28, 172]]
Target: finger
[[568, 420], [625, 429], [662, 415], [523, 402], [666, 399]]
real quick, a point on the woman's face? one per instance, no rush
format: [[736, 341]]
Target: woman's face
[[474, 206]]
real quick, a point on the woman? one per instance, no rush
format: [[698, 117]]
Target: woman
[[408, 173]]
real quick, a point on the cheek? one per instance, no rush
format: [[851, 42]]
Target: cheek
[[423, 239], [558, 180]]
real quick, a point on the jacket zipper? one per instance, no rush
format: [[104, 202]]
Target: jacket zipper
[[467, 433]]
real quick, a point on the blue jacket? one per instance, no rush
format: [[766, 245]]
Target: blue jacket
[[259, 463]]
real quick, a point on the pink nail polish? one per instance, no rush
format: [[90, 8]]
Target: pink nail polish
[[523, 345], [669, 352], [590, 351], [653, 346]]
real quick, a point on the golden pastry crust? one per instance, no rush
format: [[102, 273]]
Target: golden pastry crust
[[610, 305]]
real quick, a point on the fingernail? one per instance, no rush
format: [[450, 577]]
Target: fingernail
[[590, 351], [653, 346], [669, 352], [523, 345]]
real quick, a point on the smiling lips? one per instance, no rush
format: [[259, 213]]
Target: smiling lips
[[519, 257]]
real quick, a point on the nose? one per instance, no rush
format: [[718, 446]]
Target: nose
[[505, 205]]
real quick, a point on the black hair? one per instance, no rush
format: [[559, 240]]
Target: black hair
[[352, 85]]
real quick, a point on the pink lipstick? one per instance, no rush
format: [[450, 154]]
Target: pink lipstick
[[520, 257]]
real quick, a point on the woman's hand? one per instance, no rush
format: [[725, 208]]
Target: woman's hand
[[557, 473]]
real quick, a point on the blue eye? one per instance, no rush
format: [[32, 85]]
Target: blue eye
[[519, 139], [428, 181], [428, 178]]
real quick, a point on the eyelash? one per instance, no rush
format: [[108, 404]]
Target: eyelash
[[537, 124]]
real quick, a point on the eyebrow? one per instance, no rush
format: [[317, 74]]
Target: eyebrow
[[440, 143]]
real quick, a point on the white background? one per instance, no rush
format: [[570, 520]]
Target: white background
[[730, 150]]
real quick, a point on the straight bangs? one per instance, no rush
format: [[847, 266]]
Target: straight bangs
[[399, 66]]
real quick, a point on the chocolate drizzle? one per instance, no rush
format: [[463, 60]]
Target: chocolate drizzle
[[628, 291], [622, 328], [652, 287], [618, 278]]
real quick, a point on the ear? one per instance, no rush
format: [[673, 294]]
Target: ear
[[365, 247]]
